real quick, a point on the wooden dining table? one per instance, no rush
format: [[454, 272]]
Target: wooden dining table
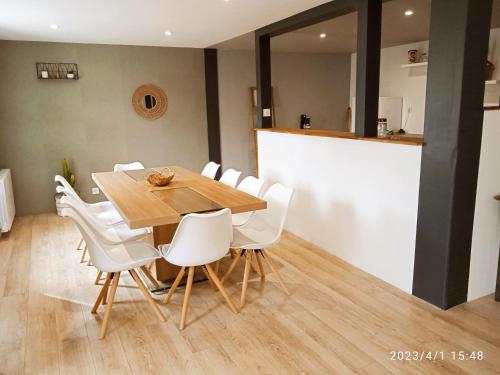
[[162, 207]]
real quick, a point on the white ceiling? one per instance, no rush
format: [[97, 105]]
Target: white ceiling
[[194, 23]]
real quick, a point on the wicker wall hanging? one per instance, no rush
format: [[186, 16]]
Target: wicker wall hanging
[[149, 101]]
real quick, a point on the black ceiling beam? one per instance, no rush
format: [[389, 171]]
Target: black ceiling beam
[[309, 17], [450, 158]]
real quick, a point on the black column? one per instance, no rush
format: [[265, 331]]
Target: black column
[[368, 67], [450, 158], [263, 66], [212, 100]]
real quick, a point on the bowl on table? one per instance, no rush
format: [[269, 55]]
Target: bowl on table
[[160, 177]]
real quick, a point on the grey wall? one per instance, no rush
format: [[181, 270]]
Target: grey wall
[[316, 84], [91, 121]]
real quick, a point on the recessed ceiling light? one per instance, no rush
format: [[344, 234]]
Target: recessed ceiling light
[[168, 33], [322, 35], [409, 12], [54, 26]]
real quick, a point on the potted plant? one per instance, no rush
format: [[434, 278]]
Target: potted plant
[[70, 177]]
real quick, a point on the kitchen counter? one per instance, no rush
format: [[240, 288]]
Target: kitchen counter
[[407, 139]]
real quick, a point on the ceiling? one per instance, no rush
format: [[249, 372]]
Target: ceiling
[[341, 32], [193, 23]]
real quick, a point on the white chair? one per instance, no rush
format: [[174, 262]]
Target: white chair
[[128, 167], [252, 186], [210, 170], [200, 239], [230, 177], [105, 210], [262, 230], [114, 257], [117, 233]]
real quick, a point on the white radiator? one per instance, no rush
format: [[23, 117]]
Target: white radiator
[[7, 208]]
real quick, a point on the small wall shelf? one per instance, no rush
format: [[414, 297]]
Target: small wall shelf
[[414, 65], [57, 71]]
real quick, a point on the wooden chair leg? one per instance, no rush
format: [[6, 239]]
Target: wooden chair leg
[[209, 278], [269, 261], [107, 314], [261, 266], [217, 282], [103, 292], [98, 278], [150, 277], [231, 267], [248, 263], [187, 294], [216, 267], [145, 291], [79, 244], [233, 253], [175, 284], [82, 259], [106, 290]]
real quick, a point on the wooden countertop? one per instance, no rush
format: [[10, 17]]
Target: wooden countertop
[[405, 139]]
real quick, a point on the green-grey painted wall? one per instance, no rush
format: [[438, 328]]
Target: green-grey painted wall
[[91, 121]]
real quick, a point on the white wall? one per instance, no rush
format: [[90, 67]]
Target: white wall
[[411, 83], [350, 201], [486, 233]]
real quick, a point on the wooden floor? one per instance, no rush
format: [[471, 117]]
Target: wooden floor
[[338, 319]]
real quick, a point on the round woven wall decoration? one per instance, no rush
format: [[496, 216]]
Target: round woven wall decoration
[[149, 101]]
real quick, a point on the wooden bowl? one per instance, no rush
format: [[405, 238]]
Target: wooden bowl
[[161, 177]]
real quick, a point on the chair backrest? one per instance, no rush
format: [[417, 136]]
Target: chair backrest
[[128, 167], [230, 177], [68, 189], [251, 185], [278, 198], [210, 170], [97, 250], [201, 239]]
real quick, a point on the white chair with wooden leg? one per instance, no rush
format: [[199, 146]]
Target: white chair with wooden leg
[[252, 186], [119, 233], [200, 239], [210, 170], [262, 230], [113, 258], [230, 177], [128, 167]]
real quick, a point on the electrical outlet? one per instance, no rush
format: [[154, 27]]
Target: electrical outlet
[[95, 190], [266, 112]]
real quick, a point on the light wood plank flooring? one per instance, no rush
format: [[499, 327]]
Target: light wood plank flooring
[[339, 320]]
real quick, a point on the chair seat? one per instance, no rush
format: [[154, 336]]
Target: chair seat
[[104, 206], [241, 218], [255, 236], [109, 217], [200, 260], [122, 232], [130, 255]]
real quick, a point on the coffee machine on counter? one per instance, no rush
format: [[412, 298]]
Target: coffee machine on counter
[[305, 122]]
